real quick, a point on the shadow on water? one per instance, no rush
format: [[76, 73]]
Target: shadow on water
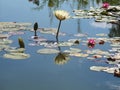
[[61, 57], [115, 30]]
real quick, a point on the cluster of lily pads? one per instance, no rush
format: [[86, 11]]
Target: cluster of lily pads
[[9, 29], [90, 52], [107, 13]]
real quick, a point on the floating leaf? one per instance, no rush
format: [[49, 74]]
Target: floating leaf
[[80, 35], [5, 41], [4, 36], [73, 50], [79, 54], [48, 51], [48, 30], [16, 55], [101, 34], [3, 47], [98, 68], [14, 50], [16, 33], [65, 44], [13, 26]]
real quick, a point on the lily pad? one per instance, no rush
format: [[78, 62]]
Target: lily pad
[[65, 44], [105, 69], [73, 50], [14, 50], [5, 41], [48, 51], [48, 30], [16, 33], [16, 55], [98, 68], [14, 26], [4, 36], [78, 54]]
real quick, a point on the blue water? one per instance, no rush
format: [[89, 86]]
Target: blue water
[[39, 72]]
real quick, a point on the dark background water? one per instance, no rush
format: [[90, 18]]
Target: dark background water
[[39, 72]]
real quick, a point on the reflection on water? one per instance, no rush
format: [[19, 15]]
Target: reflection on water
[[76, 4], [115, 30], [35, 2], [39, 72]]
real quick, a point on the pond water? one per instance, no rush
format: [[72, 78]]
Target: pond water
[[40, 71]]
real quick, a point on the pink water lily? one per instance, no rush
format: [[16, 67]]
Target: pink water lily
[[91, 43], [105, 5]]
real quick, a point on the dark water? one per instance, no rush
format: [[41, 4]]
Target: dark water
[[39, 72]]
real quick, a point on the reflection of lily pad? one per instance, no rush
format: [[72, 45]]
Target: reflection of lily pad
[[16, 55], [47, 51]]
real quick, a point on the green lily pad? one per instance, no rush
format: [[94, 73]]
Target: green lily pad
[[16, 55], [48, 51], [73, 50], [98, 68], [48, 30], [13, 26], [79, 54], [15, 50], [5, 41], [65, 44], [4, 36]]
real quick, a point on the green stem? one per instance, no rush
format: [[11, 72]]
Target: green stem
[[35, 33], [58, 29]]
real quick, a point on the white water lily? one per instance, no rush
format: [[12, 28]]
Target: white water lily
[[61, 14]]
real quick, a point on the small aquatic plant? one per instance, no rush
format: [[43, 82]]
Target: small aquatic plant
[[35, 29], [61, 15], [21, 42]]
